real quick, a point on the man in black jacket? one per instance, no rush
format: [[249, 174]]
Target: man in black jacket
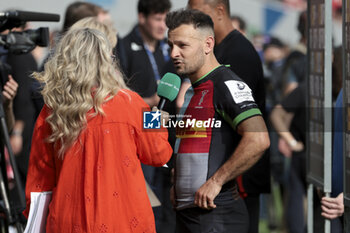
[[143, 53]]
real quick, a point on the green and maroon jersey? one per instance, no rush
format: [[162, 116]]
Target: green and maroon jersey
[[214, 106]]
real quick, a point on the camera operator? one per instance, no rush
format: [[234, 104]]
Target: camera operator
[[9, 90], [20, 136], [16, 43]]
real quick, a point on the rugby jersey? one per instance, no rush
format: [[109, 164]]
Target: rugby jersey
[[214, 106]]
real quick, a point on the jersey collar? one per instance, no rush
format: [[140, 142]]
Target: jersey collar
[[198, 81]]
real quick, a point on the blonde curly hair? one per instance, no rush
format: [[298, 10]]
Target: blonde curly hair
[[79, 77], [105, 27]]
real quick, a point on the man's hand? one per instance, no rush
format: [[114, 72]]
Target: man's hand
[[284, 148], [255, 140], [9, 90], [164, 115], [16, 142], [296, 146], [332, 207], [205, 195]]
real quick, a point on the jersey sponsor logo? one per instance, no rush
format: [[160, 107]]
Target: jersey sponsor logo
[[240, 91], [241, 86], [192, 128], [135, 47], [193, 132]]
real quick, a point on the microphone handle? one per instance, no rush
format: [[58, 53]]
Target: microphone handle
[[161, 103]]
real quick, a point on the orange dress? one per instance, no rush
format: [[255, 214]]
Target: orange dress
[[99, 185]]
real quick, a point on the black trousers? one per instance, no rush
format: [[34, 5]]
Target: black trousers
[[253, 206], [229, 218]]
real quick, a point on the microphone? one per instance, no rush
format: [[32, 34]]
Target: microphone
[[29, 16], [168, 88]]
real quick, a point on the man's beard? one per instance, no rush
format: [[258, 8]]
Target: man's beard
[[188, 70]]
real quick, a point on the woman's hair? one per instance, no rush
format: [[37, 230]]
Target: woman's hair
[[79, 77], [104, 27]]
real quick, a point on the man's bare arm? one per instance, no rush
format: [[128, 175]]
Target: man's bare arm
[[281, 120], [255, 140], [9, 92]]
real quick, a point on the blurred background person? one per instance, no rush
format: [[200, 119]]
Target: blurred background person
[[333, 206], [337, 72], [22, 67], [8, 88], [73, 13], [274, 55], [79, 10], [145, 50], [9, 91], [294, 70], [289, 120], [239, 24], [284, 70]]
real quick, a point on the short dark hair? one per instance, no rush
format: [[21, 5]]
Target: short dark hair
[[147, 7], [240, 20], [188, 16], [79, 10], [273, 42]]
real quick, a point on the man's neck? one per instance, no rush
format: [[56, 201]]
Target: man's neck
[[223, 30], [206, 68], [149, 41]]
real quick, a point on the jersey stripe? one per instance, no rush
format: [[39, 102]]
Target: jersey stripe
[[245, 115]]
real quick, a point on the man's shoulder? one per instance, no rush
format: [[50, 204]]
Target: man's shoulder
[[236, 43], [225, 81], [133, 40], [223, 74], [233, 40]]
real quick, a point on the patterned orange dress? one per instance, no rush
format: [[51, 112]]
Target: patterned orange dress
[[99, 185]]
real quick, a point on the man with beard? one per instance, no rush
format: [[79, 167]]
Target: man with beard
[[208, 159], [234, 49]]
